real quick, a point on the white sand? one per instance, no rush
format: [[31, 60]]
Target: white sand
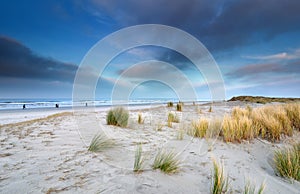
[[48, 155]]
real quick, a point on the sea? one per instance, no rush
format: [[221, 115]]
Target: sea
[[14, 104]]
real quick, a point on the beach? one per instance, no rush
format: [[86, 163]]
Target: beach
[[46, 151]]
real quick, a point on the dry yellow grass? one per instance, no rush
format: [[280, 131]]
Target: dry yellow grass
[[293, 113], [214, 128], [140, 118], [238, 112], [199, 128], [228, 129], [269, 122]]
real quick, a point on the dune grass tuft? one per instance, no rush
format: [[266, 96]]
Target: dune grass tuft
[[173, 118], [140, 119], [220, 181], [287, 162], [199, 128], [271, 122], [167, 162], [117, 116], [180, 134], [251, 189], [138, 159], [214, 128], [179, 106], [261, 188], [293, 112], [159, 126], [100, 142], [268, 122], [170, 104]]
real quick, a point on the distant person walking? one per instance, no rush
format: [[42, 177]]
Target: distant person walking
[[85, 104], [56, 106], [24, 106]]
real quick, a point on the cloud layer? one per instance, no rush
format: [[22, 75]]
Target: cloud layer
[[18, 61], [219, 24]]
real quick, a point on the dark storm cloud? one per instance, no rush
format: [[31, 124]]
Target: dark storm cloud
[[218, 24], [244, 21], [18, 61]]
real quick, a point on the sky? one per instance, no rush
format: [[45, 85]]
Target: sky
[[255, 43]]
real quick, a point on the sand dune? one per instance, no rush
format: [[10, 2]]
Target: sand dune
[[47, 155]]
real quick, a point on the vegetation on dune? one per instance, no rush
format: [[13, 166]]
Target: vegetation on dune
[[293, 113], [140, 119], [220, 181], [180, 134], [199, 128], [179, 106], [173, 118], [167, 162], [117, 116], [159, 127], [251, 188], [214, 128], [268, 122], [263, 100], [170, 104], [210, 109], [287, 162], [138, 159], [100, 142]]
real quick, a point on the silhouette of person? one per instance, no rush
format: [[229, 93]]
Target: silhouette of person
[[85, 104], [24, 106], [56, 106]]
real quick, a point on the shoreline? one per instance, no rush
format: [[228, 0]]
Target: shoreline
[[8, 116]]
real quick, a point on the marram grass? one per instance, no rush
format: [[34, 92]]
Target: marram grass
[[179, 106], [140, 119], [170, 104], [199, 128], [180, 134], [220, 179], [250, 188], [117, 116], [167, 162], [100, 142], [173, 118], [267, 122], [138, 159], [287, 162]]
